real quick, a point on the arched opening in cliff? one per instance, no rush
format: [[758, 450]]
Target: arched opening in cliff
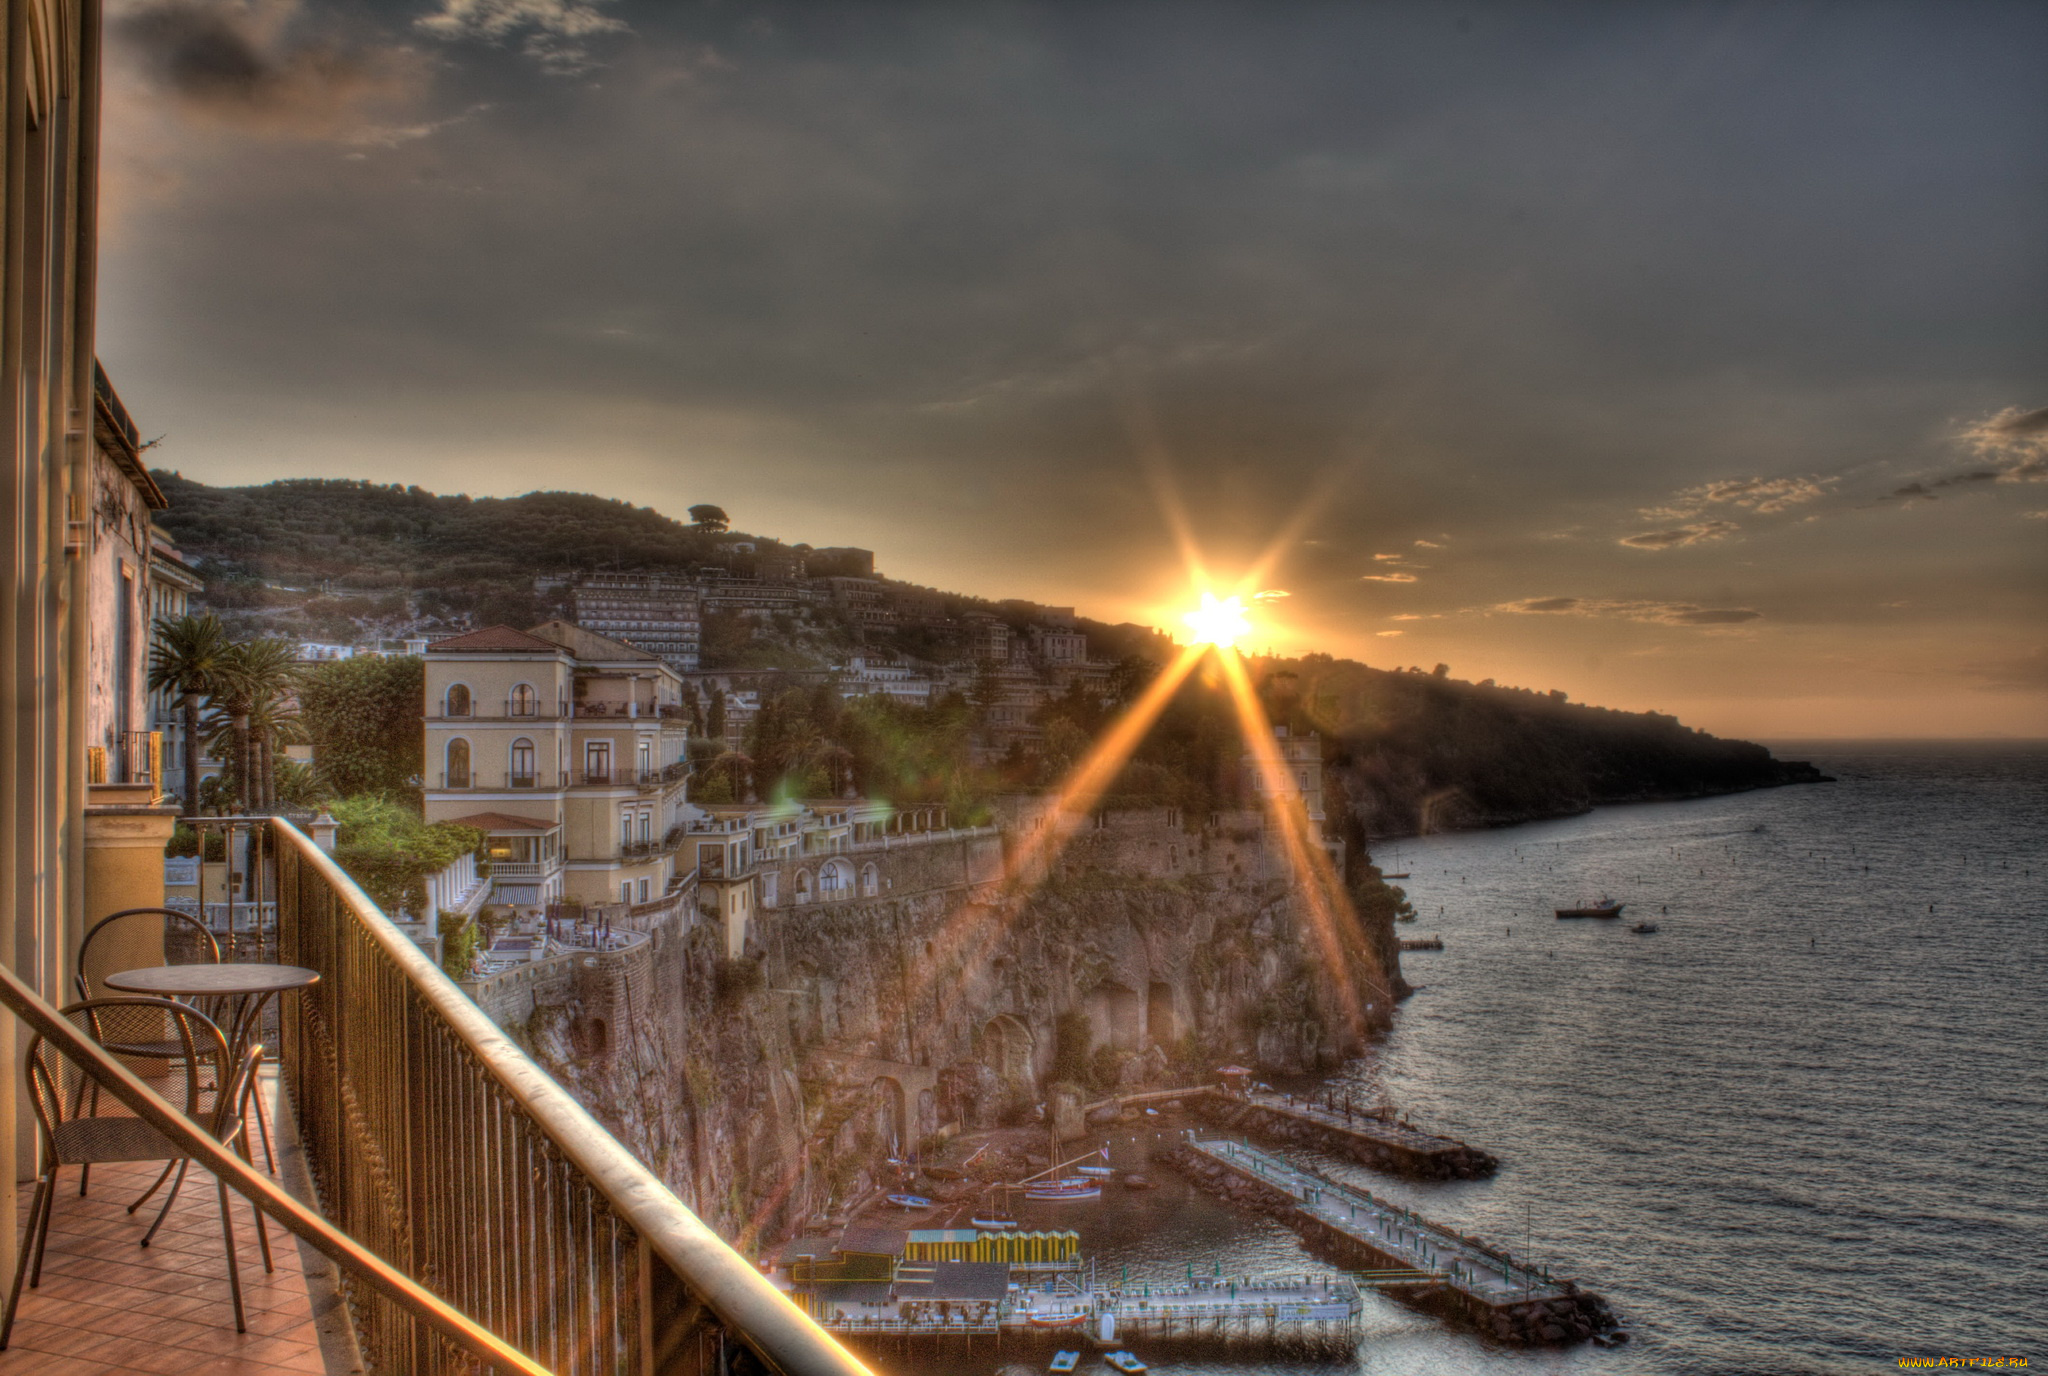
[[892, 1115], [1007, 1048], [1161, 1024], [1116, 1016]]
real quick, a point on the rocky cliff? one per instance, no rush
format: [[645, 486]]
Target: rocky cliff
[[772, 1088]]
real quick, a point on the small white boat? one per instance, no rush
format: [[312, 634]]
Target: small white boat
[[1096, 1171], [910, 1201], [1065, 1361], [1125, 1361], [993, 1224], [1074, 1187]]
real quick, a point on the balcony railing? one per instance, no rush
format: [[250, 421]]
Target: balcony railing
[[602, 776], [435, 1142], [524, 869]]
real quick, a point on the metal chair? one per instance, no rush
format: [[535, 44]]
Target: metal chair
[[96, 961], [186, 941], [197, 1076]]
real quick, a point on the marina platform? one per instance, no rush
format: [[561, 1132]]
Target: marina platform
[[1389, 1146], [1398, 1251]]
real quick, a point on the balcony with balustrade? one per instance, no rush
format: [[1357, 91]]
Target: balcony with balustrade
[[441, 1205]]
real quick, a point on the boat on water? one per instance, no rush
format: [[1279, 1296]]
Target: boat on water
[[1402, 875], [1097, 1171], [1606, 907], [1073, 1187], [1064, 1361], [910, 1201], [1125, 1361], [1643, 928], [993, 1225], [1056, 1320]]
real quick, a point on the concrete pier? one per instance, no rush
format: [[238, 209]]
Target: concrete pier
[[1402, 1253], [1392, 1147]]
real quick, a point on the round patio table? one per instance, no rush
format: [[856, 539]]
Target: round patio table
[[245, 987]]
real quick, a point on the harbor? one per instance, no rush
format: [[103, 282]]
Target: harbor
[[1396, 1250], [1337, 1127]]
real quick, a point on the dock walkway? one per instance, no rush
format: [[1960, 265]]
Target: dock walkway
[[1369, 1140], [1430, 1264]]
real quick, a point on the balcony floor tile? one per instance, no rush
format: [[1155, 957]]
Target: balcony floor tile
[[107, 1307]]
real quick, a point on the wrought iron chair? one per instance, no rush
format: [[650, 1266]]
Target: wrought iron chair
[[186, 941], [194, 1070]]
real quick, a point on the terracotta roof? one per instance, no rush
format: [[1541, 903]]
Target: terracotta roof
[[495, 638], [585, 643], [504, 821]]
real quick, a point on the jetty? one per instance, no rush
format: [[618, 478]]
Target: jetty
[[1422, 943], [1368, 1139], [1395, 1250]]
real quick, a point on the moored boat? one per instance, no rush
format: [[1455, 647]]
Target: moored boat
[[993, 1224], [1056, 1320], [1606, 907], [1064, 1361], [1074, 1187], [1643, 928], [1125, 1361], [1097, 1171], [910, 1201]]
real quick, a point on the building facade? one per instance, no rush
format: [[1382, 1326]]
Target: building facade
[[569, 750], [659, 613]]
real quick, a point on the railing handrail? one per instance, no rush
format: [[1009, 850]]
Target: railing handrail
[[256, 1187], [729, 1287]]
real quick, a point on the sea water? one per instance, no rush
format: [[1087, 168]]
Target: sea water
[[1798, 1129]]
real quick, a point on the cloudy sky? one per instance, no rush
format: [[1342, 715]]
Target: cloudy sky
[[1686, 356]]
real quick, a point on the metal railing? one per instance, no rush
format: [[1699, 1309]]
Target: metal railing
[[436, 1141], [443, 1330]]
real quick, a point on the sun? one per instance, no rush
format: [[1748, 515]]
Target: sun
[[1219, 621]]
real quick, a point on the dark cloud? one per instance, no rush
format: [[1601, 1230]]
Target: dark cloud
[[1700, 532], [1633, 609], [247, 64]]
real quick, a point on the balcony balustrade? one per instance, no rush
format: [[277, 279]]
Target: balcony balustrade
[[481, 1220], [602, 777], [434, 1141]]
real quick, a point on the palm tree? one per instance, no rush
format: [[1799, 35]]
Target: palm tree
[[254, 698], [185, 658]]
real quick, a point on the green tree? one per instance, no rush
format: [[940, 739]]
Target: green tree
[[387, 849], [185, 658], [709, 519], [254, 686], [366, 719]]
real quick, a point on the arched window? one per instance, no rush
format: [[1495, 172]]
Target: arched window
[[458, 700], [523, 764], [870, 880], [803, 886], [524, 700], [835, 880], [458, 764]]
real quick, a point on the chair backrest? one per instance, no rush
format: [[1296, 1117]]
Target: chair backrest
[[174, 1048], [138, 937]]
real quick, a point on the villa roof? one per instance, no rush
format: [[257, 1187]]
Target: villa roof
[[587, 644], [495, 640], [504, 821]]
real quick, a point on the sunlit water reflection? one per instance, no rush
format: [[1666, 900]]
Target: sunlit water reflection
[[1798, 1129]]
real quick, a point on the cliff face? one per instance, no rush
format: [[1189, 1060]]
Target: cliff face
[[771, 1088]]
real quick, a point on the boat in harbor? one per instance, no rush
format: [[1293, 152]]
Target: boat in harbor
[[993, 1225], [1125, 1361], [910, 1201], [1064, 1361], [1643, 928], [1056, 1320], [1073, 1187], [1606, 907], [1097, 1171], [1402, 875]]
